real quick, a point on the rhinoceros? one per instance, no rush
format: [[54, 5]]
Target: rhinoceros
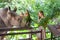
[[8, 18]]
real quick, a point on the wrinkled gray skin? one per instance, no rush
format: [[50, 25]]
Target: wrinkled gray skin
[[8, 18]]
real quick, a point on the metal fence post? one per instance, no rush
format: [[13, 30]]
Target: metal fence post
[[30, 35], [51, 36], [41, 34]]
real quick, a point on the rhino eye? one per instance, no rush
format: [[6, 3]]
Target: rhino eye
[[18, 19]]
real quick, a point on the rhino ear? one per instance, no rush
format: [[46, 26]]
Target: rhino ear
[[9, 8], [15, 9]]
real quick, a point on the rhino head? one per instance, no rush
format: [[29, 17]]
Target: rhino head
[[10, 17]]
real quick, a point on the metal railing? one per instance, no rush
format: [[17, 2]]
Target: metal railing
[[31, 32], [14, 29]]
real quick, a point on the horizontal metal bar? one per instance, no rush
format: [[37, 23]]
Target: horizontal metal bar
[[52, 38], [20, 33], [13, 29]]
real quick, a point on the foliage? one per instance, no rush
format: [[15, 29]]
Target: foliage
[[51, 9]]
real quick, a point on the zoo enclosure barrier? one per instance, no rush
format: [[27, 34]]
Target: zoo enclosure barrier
[[14, 29]]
